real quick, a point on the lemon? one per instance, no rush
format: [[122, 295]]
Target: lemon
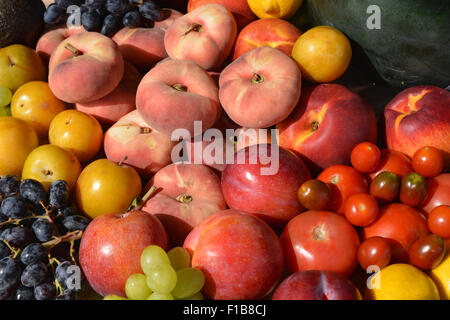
[[441, 276], [274, 8], [402, 282]]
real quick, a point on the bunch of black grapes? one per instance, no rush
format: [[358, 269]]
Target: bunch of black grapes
[[105, 16], [39, 240]]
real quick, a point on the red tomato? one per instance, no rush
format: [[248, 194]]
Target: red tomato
[[438, 193], [400, 223], [361, 209], [428, 161], [314, 195], [344, 181], [365, 157], [393, 161], [427, 252], [320, 240], [414, 189], [374, 251], [439, 221], [385, 187]]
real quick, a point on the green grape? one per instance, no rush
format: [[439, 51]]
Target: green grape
[[190, 281], [114, 297], [196, 296], [5, 97], [162, 278], [136, 287], [152, 256], [179, 258], [160, 296]]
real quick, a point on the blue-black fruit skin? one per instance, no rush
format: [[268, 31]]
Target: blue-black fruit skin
[[34, 274], [54, 14], [17, 236], [132, 19], [117, 6], [43, 230], [24, 293], [45, 291], [33, 191], [74, 223], [111, 24], [9, 185], [14, 207], [33, 253], [4, 250], [10, 272], [58, 193]]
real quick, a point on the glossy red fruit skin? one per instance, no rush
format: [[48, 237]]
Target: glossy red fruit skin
[[316, 285], [427, 252], [428, 161], [385, 187], [314, 195], [374, 251], [365, 157], [273, 197], [344, 181], [439, 221], [438, 193], [413, 189], [320, 240], [111, 247], [239, 254], [361, 209], [392, 161], [401, 224]]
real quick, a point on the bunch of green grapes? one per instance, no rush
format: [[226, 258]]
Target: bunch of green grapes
[[5, 100], [167, 276]]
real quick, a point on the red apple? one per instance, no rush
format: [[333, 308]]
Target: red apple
[[418, 117], [329, 121], [271, 196], [145, 149], [316, 285], [187, 195], [111, 247], [240, 255]]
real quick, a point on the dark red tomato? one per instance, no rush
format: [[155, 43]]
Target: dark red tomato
[[344, 181], [365, 157], [393, 161], [314, 195], [375, 251], [413, 190], [428, 161], [439, 221], [320, 240], [361, 209], [438, 193], [400, 223], [427, 252], [385, 187]]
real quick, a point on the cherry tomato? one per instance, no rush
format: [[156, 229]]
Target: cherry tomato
[[439, 221], [428, 161], [320, 240], [400, 223], [365, 157], [314, 195], [413, 190], [385, 187], [361, 209], [393, 161], [427, 252], [344, 181], [375, 251]]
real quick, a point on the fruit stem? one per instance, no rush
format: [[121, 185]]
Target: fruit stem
[[72, 49], [196, 27], [139, 203], [71, 236], [180, 87], [257, 78], [315, 125], [184, 198], [123, 160], [145, 130]]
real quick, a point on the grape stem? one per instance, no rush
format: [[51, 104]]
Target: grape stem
[[13, 250], [68, 237]]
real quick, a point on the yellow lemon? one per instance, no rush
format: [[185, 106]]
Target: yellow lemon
[[274, 8], [402, 282], [441, 276]]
